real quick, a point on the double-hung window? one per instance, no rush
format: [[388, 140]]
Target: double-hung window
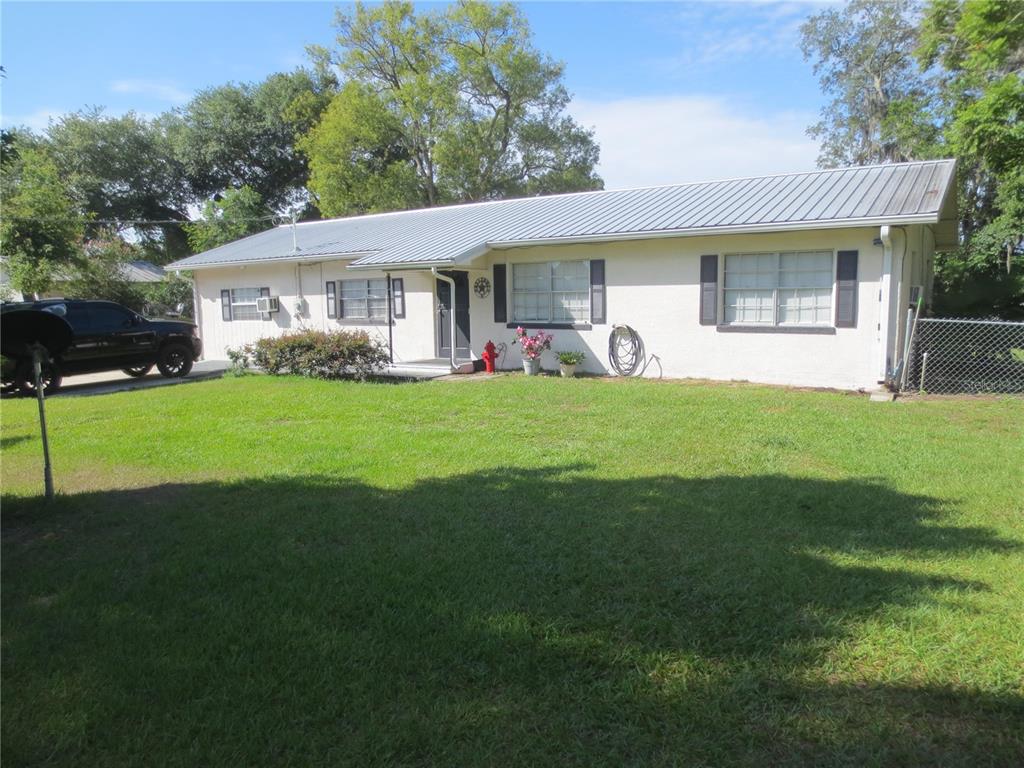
[[243, 304], [786, 288], [364, 300], [551, 292]]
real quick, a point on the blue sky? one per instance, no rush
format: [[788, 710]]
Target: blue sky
[[674, 91]]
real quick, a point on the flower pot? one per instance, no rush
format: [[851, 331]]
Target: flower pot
[[568, 371], [531, 365]]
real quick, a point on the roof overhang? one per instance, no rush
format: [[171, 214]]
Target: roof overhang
[[289, 259]]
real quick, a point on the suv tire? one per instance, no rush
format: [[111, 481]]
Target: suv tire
[[174, 360], [25, 378], [138, 371]]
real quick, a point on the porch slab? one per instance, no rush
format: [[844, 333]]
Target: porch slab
[[431, 368]]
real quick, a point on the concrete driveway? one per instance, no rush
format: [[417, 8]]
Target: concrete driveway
[[115, 381]]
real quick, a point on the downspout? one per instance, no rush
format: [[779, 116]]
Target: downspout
[[884, 301], [391, 340], [451, 313]]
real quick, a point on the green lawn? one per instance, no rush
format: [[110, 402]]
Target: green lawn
[[531, 572]]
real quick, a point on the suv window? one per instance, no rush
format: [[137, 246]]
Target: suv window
[[108, 318]]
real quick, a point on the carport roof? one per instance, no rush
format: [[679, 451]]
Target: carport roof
[[897, 193]]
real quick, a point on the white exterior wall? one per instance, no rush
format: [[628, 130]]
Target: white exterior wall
[[654, 287], [413, 336], [651, 285]]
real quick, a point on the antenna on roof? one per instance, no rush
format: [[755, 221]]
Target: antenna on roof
[[295, 241]]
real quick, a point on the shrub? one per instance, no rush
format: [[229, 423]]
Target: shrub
[[239, 360], [321, 355]]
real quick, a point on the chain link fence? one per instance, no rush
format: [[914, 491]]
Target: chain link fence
[[950, 356]]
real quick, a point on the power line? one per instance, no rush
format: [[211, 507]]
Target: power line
[[133, 222]]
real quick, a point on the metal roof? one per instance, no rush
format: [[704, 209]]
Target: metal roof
[[898, 193], [142, 272]]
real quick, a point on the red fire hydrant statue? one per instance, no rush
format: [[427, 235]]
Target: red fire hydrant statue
[[489, 356]]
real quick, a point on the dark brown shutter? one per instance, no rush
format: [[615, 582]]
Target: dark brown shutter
[[598, 308], [225, 305], [398, 297], [709, 290], [500, 307], [332, 299], [265, 292], [846, 289]]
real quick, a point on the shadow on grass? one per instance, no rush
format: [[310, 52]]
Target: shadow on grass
[[503, 617]]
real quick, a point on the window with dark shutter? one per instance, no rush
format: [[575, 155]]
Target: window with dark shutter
[[709, 290], [846, 289], [225, 305], [598, 304], [332, 299], [398, 297], [500, 294]]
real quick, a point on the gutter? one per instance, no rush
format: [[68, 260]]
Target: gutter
[[290, 259]]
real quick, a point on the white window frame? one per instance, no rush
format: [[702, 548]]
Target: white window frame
[[775, 323], [365, 298], [244, 303], [550, 293]]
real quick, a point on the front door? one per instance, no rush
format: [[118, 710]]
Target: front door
[[444, 325]]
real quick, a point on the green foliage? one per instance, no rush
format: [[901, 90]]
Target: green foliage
[[98, 272], [123, 169], [320, 355], [451, 105], [243, 135], [42, 226], [233, 215], [358, 161], [572, 357], [979, 49], [171, 296], [881, 104]]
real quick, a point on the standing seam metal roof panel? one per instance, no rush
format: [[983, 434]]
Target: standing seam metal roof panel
[[441, 235]]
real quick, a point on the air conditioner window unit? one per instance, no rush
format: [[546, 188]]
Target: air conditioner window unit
[[268, 304]]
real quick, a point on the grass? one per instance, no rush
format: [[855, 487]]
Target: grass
[[520, 571]]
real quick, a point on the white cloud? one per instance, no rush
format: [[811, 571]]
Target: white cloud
[[675, 139], [162, 90], [37, 121]]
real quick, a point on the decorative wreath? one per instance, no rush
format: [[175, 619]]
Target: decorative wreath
[[482, 287]]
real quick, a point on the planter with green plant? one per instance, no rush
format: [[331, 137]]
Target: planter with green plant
[[567, 362]]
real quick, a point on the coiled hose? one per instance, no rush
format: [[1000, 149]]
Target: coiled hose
[[626, 353]]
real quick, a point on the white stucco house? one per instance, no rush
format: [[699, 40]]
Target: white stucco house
[[799, 279]]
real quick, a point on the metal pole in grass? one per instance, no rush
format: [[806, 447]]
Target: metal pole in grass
[[38, 354], [924, 367]]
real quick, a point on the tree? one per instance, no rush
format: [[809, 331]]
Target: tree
[[123, 170], [243, 135], [358, 160], [979, 47], [451, 106], [98, 271], [233, 215], [881, 107], [42, 225]]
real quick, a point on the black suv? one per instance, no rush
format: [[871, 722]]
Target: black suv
[[107, 337]]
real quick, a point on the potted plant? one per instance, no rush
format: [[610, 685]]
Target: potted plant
[[532, 348], [567, 362]]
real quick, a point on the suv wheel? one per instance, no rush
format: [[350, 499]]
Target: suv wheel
[[174, 361], [138, 371], [25, 378]]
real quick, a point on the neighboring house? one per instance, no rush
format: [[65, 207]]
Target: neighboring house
[[133, 272], [799, 279]]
